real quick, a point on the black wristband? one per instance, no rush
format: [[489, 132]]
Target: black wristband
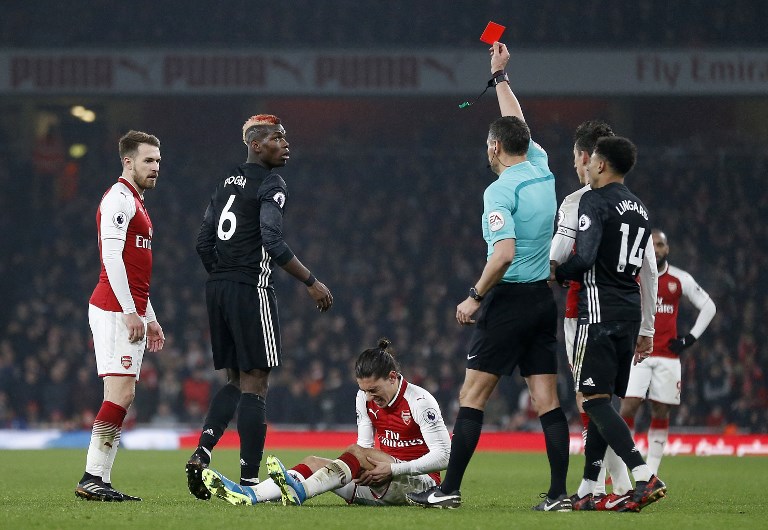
[[498, 77], [309, 282]]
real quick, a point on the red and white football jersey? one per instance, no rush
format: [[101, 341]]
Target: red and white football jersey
[[409, 428], [674, 283], [563, 243], [121, 215]]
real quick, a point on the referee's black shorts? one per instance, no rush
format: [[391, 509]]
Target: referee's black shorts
[[516, 326], [602, 356], [245, 329]]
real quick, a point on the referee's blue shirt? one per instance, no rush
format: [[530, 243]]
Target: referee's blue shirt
[[521, 205]]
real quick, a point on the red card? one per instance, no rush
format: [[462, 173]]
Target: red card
[[492, 33]]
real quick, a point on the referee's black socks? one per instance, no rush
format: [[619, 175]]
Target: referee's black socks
[[466, 433], [558, 441], [614, 430]]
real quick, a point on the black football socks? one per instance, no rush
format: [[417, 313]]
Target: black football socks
[[220, 413], [466, 434], [614, 430], [252, 427], [558, 441]]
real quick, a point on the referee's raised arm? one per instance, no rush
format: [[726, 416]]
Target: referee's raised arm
[[508, 103]]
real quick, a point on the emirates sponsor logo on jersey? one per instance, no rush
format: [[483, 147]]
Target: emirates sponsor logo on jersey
[[126, 361], [143, 242], [388, 442], [392, 439], [495, 221], [662, 308], [406, 416]]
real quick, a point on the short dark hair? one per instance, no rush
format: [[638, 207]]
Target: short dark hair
[[588, 133], [129, 143], [376, 362], [513, 134], [618, 151]]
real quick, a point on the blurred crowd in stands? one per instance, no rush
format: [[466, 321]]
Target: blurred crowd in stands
[[395, 234], [343, 23]]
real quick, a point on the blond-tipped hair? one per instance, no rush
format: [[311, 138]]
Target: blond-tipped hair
[[256, 121]]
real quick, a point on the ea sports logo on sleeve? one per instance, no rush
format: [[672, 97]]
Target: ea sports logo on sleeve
[[495, 221]]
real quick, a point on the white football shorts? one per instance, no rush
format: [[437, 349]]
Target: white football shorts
[[115, 354], [658, 378], [569, 332], [393, 494]]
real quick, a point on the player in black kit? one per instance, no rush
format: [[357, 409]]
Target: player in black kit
[[239, 243], [611, 243]]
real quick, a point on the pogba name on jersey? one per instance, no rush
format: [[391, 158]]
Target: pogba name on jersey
[[631, 206], [237, 180]]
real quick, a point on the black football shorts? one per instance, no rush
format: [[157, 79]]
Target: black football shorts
[[245, 329], [602, 356], [516, 325]]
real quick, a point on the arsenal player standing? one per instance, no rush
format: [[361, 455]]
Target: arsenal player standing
[[122, 320], [660, 377]]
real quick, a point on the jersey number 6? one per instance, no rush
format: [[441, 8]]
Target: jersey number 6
[[227, 215]]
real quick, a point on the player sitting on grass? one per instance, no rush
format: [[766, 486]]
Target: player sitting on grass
[[414, 446]]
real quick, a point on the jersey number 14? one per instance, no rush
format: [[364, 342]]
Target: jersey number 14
[[635, 257]]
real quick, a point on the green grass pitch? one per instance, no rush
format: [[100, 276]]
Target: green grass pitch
[[498, 492]]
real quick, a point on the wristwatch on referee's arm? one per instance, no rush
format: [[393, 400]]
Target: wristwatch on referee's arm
[[474, 294]]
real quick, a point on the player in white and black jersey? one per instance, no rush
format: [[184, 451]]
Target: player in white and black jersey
[[239, 243], [611, 243], [405, 420]]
